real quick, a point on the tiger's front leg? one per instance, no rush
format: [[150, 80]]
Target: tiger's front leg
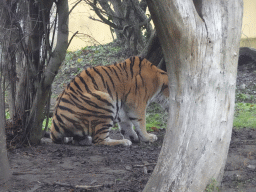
[[101, 137], [140, 125], [112, 142], [128, 132]]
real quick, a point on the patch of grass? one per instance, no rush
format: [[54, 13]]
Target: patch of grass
[[115, 127], [49, 123], [154, 120], [245, 115], [245, 97], [241, 97], [212, 186], [91, 55], [7, 114], [156, 116]]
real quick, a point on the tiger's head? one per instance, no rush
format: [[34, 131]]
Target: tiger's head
[[162, 97]]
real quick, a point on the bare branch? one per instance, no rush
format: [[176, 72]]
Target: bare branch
[[74, 6], [104, 4], [94, 19], [93, 5], [72, 37], [62, 43], [143, 5]]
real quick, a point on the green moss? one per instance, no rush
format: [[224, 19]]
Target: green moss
[[245, 115]]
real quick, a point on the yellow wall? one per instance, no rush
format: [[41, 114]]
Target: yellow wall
[[249, 24], [93, 32], [90, 32], [249, 19]]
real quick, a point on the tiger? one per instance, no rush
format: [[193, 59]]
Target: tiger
[[99, 97]]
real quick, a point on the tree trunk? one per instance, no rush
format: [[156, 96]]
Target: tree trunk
[[9, 48], [25, 37], [43, 90], [153, 52], [5, 172], [200, 44]]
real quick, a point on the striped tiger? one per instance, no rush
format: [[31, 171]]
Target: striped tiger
[[101, 96]]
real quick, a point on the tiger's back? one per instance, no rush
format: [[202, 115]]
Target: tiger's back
[[100, 96]]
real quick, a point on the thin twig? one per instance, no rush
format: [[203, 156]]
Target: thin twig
[[63, 184], [72, 37], [77, 186], [88, 186], [148, 164], [91, 38], [74, 6], [94, 19]]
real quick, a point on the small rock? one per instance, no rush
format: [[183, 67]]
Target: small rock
[[145, 162], [128, 167], [59, 155], [251, 166], [45, 140], [93, 181], [237, 177], [145, 170], [108, 184], [242, 86]]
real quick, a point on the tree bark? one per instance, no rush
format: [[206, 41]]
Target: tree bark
[[153, 52], [25, 37], [5, 172], [8, 45], [58, 55], [200, 43]]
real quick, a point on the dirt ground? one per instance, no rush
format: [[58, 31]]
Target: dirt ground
[[53, 167]]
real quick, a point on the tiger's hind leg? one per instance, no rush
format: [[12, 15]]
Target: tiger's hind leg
[[138, 119], [56, 136], [83, 141], [100, 118]]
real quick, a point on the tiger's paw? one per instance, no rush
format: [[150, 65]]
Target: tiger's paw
[[133, 137], [113, 142], [85, 142], [151, 137], [127, 142]]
